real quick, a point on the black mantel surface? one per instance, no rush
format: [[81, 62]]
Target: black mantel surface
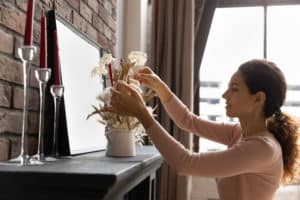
[[88, 176]]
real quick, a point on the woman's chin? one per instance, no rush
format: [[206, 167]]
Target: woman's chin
[[229, 114]]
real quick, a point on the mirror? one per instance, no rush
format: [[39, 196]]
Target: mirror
[[78, 56]]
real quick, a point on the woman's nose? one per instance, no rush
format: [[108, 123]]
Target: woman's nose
[[224, 95]]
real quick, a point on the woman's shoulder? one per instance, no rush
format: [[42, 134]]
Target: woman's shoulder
[[264, 143]]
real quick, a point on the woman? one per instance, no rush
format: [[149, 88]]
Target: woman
[[262, 149]]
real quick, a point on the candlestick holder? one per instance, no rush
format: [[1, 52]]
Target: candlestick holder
[[42, 75], [26, 53], [57, 92]]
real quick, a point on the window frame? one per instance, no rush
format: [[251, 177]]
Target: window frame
[[249, 3], [256, 3]]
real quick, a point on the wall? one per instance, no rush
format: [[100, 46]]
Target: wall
[[135, 26], [95, 18]]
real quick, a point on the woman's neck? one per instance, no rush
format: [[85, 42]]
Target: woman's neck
[[252, 126]]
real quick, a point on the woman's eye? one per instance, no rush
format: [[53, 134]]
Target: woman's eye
[[234, 89]]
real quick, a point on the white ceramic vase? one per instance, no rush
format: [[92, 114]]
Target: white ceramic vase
[[120, 143]]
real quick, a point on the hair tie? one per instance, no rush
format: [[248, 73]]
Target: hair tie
[[278, 112], [278, 117]]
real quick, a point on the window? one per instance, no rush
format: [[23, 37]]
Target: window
[[237, 35]]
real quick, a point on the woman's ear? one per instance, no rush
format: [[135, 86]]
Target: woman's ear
[[260, 98]]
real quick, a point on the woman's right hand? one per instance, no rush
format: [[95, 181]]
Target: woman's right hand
[[149, 79]]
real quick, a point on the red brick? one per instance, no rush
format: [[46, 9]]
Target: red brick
[[33, 82], [106, 17], [102, 40], [114, 3], [86, 12], [112, 24], [103, 13], [107, 5], [92, 32], [22, 4], [107, 32], [113, 38], [93, 4], [5, 95], [7, 42], [14, 19], [114, 14], [16, 146], [64, 10], [74, 4], [1, 10], [79, 22], [10, 121], [33, 99], [4, 149], [38, 10], [36, 32], [48, 3], [98, 23], [33, 123], [11, 70]]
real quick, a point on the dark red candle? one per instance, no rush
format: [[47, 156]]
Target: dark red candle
[[29, 23], [57, 79], [43, 43], [111, 74]]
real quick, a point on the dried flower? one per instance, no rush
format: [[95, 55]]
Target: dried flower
[[122, 72], [99, 71], [106, 59], [137, 57]]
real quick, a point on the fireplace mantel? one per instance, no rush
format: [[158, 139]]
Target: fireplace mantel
[[85, 177]]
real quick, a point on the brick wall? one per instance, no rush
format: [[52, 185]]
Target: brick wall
[[95, 18]]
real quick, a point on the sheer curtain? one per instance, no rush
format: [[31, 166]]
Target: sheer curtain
[[172, 58]]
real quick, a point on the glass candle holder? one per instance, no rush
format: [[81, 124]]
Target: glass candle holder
[[27, 54], [57, 91], [42, 75]]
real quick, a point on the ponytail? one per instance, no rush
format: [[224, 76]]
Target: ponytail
[[285, 129]]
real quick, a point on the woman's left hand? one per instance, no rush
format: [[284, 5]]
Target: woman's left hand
[[125, 100]]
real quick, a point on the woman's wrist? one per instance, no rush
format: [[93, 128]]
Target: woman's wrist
[[145, 117], [164, 93]]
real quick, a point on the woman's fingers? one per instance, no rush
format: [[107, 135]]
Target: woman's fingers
[[146, 70], [123, 87], [148, 80]]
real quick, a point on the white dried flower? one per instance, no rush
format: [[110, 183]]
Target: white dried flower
[[105, 96], [110, 119], [137, 57], [106, 59], [99, 71]]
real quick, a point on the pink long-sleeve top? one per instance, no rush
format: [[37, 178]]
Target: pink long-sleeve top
[[249, 169]]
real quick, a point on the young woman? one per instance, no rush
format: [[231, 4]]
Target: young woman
[[262, 149]]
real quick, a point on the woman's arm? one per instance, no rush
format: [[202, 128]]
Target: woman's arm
[[224, 133], [183, 117], [245, 157]]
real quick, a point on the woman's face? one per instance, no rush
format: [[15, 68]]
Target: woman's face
[[239, 101]]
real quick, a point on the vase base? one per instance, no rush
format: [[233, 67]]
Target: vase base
[[120, 143]]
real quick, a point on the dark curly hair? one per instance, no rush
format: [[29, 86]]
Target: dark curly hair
[[265, 76]]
